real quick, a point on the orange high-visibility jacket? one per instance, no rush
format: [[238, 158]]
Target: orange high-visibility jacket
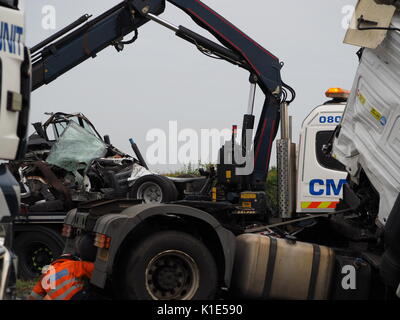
[[63, 281]]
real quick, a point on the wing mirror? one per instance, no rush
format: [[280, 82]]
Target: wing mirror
[[107, 139]]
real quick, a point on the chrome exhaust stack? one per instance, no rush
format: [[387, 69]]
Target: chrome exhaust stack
[[286, 161]]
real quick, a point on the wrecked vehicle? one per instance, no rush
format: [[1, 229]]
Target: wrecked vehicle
[[68, 165], [68, 162]]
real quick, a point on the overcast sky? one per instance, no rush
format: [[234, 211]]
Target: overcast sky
[[162, 78]]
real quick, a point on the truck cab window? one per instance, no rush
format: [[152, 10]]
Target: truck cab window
[[326, 160]]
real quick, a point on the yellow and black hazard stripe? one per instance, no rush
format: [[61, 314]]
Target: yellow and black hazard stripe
[[319, 205]]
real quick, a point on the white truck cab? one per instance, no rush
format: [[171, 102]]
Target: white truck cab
[[320, 178], [369, 138], [15, 88], [12, 60], [367, 141], [310, 180]]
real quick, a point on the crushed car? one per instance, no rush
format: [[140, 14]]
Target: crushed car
[[68, 162]]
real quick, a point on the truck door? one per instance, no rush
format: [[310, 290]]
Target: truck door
[[14, 94], [320, 177]]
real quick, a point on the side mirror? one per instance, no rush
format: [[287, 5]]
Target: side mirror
[[38, 126], [107, 139]]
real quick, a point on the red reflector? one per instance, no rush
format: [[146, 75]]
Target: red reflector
[[24, 210], [102, 241], [66, 231]]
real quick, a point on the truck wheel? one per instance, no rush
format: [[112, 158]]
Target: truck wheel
[[154, 189], [36, 249], [170, 265]]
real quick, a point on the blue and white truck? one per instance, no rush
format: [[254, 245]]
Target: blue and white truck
[[15, 80], [320, 178]]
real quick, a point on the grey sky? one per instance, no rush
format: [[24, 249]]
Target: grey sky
[[162, 78]]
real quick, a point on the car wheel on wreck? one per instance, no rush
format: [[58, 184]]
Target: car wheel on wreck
[[154, 189], [169, 265], [35, 249]]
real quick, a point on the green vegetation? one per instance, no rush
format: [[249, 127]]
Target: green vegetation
[[190, 170], [272, 189], [24, 288]]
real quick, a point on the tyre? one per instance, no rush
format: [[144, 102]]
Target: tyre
[[35, 249], [154, 189], [169, 265]]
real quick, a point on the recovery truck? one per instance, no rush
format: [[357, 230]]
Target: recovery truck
[[37, 229], [15, 88], [186, 249]]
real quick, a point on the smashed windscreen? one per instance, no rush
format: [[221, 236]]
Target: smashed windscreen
[[76, 148], [58, 122]]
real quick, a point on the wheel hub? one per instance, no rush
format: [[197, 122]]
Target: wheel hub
[[172, 275], [150, 193], [41, 256]]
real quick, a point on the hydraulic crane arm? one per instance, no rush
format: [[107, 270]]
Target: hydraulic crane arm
[[108, 29], [263, 63], [78, 42], [83, 43]]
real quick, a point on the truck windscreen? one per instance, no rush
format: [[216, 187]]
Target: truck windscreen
[[325, 160]]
